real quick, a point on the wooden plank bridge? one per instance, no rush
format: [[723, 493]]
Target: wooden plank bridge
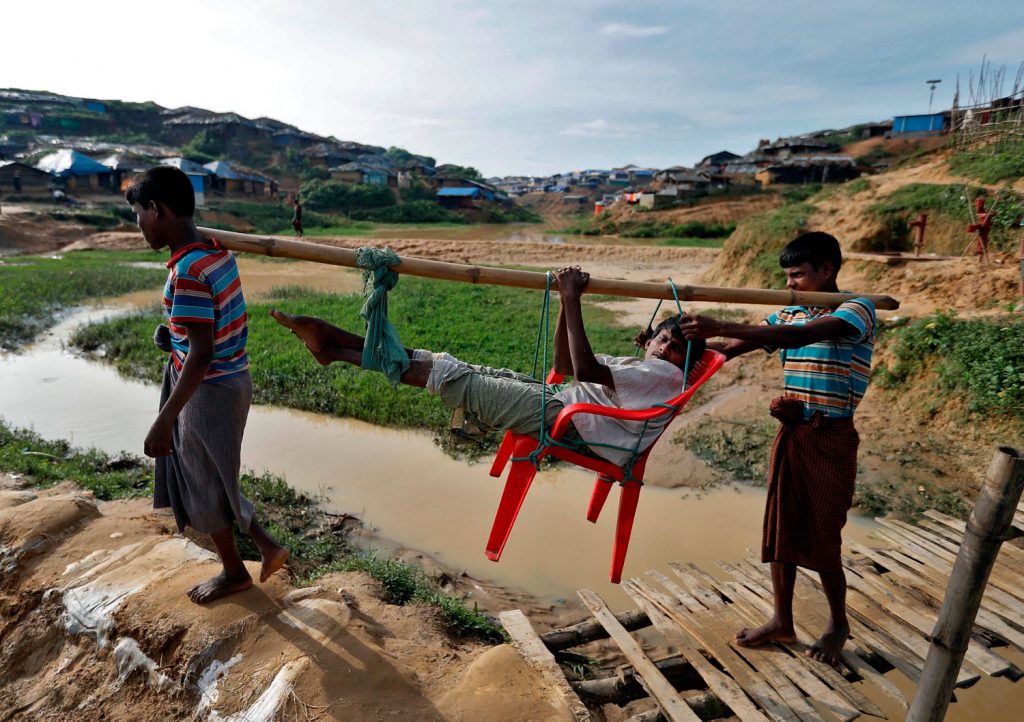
[[896, 588]]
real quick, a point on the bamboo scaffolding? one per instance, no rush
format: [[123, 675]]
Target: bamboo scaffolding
[[286, 248]]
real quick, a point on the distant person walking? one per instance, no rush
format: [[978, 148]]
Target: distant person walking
[[297, 217], [196, 438]]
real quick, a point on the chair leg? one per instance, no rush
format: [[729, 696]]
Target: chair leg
[[508, 442], [602, 485], [628, 499], [520, 476]]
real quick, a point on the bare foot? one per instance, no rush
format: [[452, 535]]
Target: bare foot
[[311, 331], [218, 586], [773, 631], [827, 648], [272, 562]]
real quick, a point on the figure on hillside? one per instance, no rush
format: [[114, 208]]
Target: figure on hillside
[[297, 217], [496, 399], [826, 361], [983, 227], [196, 438]]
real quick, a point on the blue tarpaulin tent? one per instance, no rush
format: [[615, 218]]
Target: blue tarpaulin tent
[[67, 162]]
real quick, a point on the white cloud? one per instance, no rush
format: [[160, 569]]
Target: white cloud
[[601, 128], [628, 30]]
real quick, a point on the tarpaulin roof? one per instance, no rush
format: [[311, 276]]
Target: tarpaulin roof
[[67, 162], [222, 169], [186, 165], [460, 192]]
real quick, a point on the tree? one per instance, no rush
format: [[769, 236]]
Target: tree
[[468, 172], [335, 196], [204, 147]]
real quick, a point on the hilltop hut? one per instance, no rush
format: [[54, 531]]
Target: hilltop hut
[[459, 197], [76, 170], [226, 179], [21, 179], [364, 174]]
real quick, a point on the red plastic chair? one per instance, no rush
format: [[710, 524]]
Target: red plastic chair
[[520, 476]]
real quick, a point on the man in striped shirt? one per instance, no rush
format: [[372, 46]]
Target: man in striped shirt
[[826, 360], [196, 438]]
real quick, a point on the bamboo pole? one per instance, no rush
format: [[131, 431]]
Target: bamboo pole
[[301, 250], [590, 630], [988, 527]]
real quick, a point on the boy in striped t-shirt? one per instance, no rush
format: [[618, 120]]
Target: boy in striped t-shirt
[[826, 361], [196, 438]]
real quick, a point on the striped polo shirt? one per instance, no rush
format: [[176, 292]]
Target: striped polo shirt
[[203, 287], [829, 376]]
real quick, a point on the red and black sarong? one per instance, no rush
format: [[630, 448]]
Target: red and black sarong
[[810, 488]]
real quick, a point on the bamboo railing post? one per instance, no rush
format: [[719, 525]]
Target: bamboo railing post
[[335, 255], [987, 528]]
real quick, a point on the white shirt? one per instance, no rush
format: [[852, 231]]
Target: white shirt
[[639, 384]]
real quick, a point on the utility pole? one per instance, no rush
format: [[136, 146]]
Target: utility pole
[[931, 84]]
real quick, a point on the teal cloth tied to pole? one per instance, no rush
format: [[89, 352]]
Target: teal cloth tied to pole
[[382, 350]]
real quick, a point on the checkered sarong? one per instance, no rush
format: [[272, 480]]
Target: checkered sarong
[[810, 488], [199, 481]]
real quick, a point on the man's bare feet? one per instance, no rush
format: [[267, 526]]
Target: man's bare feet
[[273, 561], [311, 331], [827, 648], [217, 586], [773, 631]]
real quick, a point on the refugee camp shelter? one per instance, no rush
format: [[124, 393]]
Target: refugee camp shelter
[[228, 180], [809, 169], [76, 170], [364, 174], [716, 160], [123, 167], [920, 125], [201, 177], [22, 179], [459, 197]]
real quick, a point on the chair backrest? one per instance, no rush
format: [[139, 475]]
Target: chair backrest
[[706, 366]]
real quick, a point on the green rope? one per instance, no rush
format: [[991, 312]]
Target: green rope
[[382, 349]]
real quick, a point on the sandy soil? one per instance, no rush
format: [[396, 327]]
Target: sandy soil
[[95, 623]]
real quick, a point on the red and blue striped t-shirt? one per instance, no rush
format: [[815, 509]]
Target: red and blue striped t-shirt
[[203, 287]]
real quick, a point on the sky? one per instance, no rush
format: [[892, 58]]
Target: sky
[[520, 87]]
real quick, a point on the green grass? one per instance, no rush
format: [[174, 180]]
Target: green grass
[[489, 325], [407, 584], [34, 290], [990, 167], [770, 231], [980, 359], [858, 185], [50, 462], [950, 201], [292, 518]]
